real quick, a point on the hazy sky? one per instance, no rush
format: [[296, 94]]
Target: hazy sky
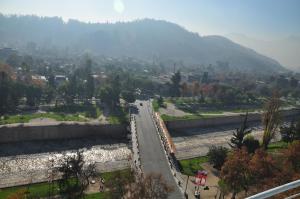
[[259, 18]]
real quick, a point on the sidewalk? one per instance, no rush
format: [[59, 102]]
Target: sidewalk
[[212, 183]]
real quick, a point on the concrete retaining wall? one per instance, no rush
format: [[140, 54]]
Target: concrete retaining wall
[[224, 120], [60, 131]]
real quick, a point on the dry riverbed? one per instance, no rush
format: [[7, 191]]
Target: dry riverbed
[[191, 143], [22, 163]]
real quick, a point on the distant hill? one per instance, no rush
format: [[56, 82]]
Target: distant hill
[[146, 39], [285, 49]]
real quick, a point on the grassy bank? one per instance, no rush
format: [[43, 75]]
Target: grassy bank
[[186, 117], [277, 146], [191, 166], [25, 118], [118, 116], [155, 105], [79, 113], [96, 196], [42, 189]]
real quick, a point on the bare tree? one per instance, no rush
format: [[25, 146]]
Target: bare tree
[[75, 176], [271, 119], [118, 183], [152, 186]]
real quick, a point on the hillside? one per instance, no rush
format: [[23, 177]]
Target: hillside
[[146, 39]]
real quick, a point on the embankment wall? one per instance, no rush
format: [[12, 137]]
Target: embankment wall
[[225, 120], [18, 133]]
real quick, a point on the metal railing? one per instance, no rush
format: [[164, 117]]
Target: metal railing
[[136, 163], [277, 190]]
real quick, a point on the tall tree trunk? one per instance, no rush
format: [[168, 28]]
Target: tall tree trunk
[[233, 195]]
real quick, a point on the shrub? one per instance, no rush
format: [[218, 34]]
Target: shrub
[[217, 156], [288, 133], [251, 144]]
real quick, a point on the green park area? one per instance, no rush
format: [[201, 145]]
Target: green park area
[[191, 166], [25, 118], [277, 146], [188, 108], [78, 113], [185, 117], [183, 108], [41, 190]]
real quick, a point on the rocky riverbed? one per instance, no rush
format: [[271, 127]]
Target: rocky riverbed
[[191, 143], [22, 163], [27, 162]]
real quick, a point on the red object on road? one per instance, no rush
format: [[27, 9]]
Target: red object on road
[[200, 178]]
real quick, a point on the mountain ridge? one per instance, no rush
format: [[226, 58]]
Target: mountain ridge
[[146, 39]]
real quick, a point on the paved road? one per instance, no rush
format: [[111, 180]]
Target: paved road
[[152, 154]]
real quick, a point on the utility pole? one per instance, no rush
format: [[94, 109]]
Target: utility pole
[[186, 184]]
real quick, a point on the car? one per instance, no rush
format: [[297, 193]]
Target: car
[[141, 104]]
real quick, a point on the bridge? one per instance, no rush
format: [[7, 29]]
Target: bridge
[[150, 147]]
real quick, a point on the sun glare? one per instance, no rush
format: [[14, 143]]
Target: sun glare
[[119, 6]]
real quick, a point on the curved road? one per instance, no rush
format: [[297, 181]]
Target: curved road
[[153, 158]]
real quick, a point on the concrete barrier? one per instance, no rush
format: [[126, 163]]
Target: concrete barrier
[[224, 120], [61, 131]]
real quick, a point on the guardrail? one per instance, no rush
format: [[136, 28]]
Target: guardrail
[[277, 190], [136, 163]]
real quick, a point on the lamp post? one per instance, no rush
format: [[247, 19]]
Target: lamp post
[[185, 193]]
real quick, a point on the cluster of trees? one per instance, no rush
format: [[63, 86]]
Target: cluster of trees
[[80, 86], [215, 92], [12, 90], [243, 171], [122, 82], [249, 166], [287, 85], [241, 138], [234, 88], [75, 176]]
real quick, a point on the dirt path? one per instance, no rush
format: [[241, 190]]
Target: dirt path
[[211, 182], [42, 121], [172, 110]]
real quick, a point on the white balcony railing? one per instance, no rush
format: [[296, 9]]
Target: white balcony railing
[[277, 190]]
